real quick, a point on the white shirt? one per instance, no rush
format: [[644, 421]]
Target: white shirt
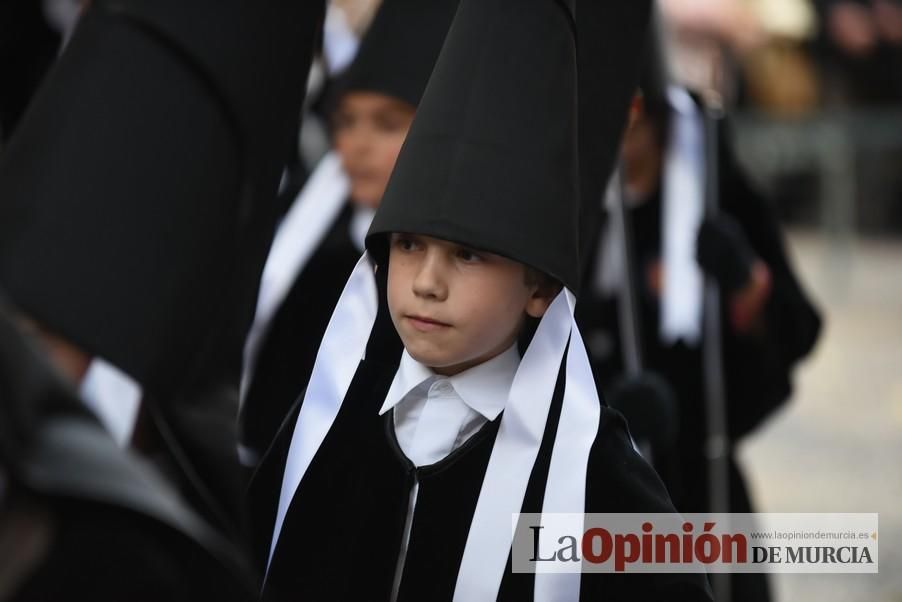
[[434, 415], [114, 397]]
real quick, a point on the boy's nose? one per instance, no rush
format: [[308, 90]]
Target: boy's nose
[[360, 142], [429, 281]]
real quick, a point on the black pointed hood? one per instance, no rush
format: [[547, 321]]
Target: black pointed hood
[[491, 158], [138, 187], [398, 51]]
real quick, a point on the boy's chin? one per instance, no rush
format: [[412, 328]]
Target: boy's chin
[[434, 359], [431, 359]]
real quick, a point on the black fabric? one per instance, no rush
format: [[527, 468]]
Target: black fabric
[[289, 347], [140, 184], [723, 252], [491, 158], [116, 530], [398, 51], [608, 53], [193, 440], [648, 402], [494, 159], [107, 554], [28, 48]]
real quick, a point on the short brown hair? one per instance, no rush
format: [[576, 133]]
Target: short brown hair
[[534, 277]]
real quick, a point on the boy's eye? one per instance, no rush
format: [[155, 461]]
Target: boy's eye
[[404, 243], [468, 255], [388, 123]]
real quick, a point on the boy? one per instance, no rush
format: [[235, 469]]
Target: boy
[[408, 465], [321, 236]]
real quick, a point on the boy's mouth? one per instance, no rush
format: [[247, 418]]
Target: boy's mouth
[[424, 324]]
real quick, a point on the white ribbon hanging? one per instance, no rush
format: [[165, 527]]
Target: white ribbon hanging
[[342, 349], [299, 234], [515, 451], [565, 491], [513, 455], [682, 213]]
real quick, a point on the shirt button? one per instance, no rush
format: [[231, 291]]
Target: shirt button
[[442, 387]]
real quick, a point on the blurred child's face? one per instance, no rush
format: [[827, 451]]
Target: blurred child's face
[[369, 129], [456, 307]]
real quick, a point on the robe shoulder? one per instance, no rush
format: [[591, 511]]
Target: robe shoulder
[[619, 480]]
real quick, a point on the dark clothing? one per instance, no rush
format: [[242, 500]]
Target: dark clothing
[[349, 511], [28, 48], [110, 527], [288, 351]]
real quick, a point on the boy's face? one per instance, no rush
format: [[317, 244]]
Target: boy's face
[[369, 129], [455, 307]]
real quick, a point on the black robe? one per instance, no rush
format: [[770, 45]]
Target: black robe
[[757, 368], [288, 350], [348, 514]]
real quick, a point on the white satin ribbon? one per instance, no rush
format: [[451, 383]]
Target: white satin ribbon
[[682, 213], [565, 490], [515, 451], [299, 234], [343, 346]]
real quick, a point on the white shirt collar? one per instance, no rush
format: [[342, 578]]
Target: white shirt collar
[[484, 388]]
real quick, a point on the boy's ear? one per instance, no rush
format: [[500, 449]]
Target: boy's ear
[[541, 299]]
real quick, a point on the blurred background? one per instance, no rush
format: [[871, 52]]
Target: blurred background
[[813, 91], [815, 96]]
